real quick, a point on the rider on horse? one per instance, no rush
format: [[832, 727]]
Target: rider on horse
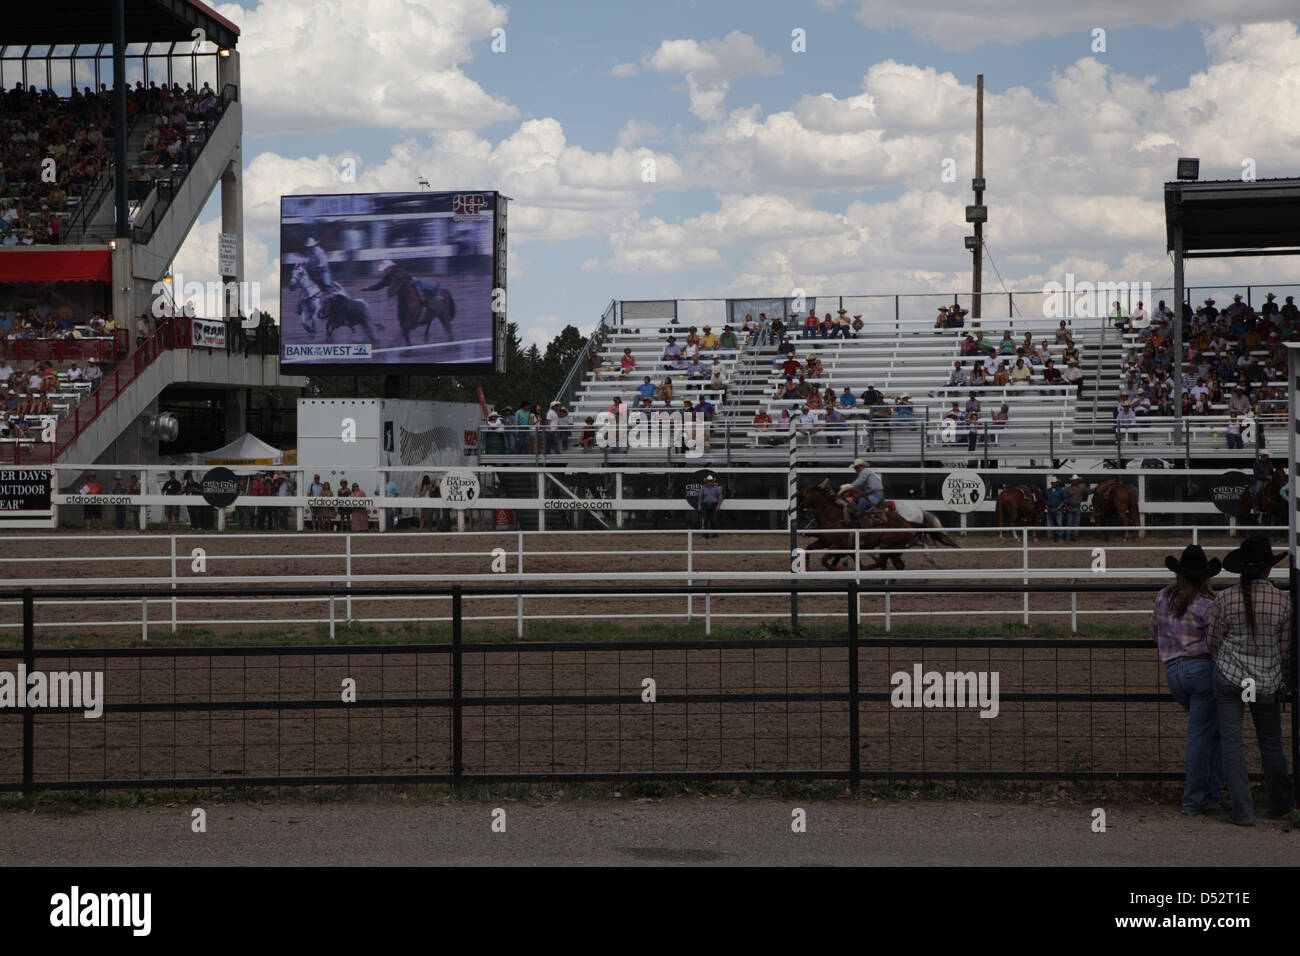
[[863, 494], [316, 262], [391, 276]]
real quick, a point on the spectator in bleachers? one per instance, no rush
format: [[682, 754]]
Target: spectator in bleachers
[[1062, 333], [708, 341], [647, 388], [664, 392], [904, 411], [1021, 375], [811, 326], [790, 366], [958, 375], [697, 371], [978, 377], [836, 423], [588, 437], [718, 377], [1001, 416], [968, 345], [957, 316], [941, 320], [814, 399], [727, 340], [628, 362], [1239, 404], [673, 354], [847, 398], [1002, 376], [94, 374], [1051, 374], [1007, 346], [857, 325], [972, 426]]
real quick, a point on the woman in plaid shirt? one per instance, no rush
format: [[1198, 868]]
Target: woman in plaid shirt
[[1250, 640], [1179, 624]]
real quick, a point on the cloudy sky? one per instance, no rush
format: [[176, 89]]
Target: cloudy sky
[[691, 149]]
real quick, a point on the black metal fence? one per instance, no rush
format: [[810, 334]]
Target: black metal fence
[[849, 707]]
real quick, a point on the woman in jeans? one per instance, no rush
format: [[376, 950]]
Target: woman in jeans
[[1179, 625], [1250, 640]]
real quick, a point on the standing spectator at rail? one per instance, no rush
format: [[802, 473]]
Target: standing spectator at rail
[[1250, 639], [710, 499], [552, 429], [523, 419], [191, 487], [1075, 493], [1180, 625], [119, 511], [1263, 472], [1057, 502], [94, 513], [360, 516], [133, 510], [172, 513]]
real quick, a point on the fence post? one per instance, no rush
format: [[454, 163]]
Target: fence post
[[29, 717], [144, 619], [347, 544], [457, 677], [855, 769], [331, 617], [690, 572], [1024, 550], [1074, 612], [519, 599], [173, 537], [889, 621]]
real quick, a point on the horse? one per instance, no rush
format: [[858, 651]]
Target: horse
[[1020, 503], [416, 300], [1113, 497], [820, 500], [337, 307], [1270, 497]]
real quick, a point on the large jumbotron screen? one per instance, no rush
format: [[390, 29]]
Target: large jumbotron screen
[[391, 282]]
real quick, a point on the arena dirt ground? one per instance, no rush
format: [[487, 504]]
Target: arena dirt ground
[[234, 741]]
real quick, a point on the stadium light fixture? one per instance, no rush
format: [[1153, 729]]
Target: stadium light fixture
[[223, 53], [977, 213], [970, 242], [1189, 168]]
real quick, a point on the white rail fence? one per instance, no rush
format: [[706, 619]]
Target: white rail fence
[[499, 552]]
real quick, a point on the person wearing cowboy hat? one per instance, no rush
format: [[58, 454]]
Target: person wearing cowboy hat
[[317, 264], [1180, 623], [868, 484], [1263, 471], [710, 498], [552, 430], [1250, 639], [1056, 504]]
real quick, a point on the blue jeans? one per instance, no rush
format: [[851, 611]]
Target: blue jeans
[[1073, 516], [1055, 519], [1192, 684], [1266, 713]]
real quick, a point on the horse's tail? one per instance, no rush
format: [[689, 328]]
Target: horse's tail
[[936, 532]]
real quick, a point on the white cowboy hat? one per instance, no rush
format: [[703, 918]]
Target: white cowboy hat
[[844, 488], [387, 264], [1074, 477], [860, 461], [310, 242]]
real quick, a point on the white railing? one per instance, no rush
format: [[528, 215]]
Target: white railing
[[494, 558]]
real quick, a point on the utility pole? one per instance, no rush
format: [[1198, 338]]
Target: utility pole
[[978, 219]]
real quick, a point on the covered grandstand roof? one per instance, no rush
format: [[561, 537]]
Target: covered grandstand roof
[[1233, 215], [91, 21]]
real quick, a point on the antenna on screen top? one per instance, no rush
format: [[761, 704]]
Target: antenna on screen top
[[424, 183]]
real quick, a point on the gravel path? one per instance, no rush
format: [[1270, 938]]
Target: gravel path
[[670, 832]]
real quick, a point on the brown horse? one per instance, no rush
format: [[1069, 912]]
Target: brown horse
[[1025, 503], [1270, 498], [1114, 499], [415, 300], [886, 530]]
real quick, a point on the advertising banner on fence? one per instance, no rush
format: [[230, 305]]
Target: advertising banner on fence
[[25, 498], [963, 491], [209, 334], [1226, 492]]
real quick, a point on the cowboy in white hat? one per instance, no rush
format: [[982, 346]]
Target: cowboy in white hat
[[869, 485], [317, 264]]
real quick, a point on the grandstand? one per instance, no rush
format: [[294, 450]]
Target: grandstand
[[909, 362], [100, 184]]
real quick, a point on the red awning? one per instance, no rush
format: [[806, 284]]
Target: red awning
[[91, 265]]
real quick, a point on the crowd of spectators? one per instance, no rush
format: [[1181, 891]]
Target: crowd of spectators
[[1007, 362], [1235, 362], [51, 151], [53, 148]]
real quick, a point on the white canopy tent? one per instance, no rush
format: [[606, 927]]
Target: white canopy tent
[[247, 449]]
